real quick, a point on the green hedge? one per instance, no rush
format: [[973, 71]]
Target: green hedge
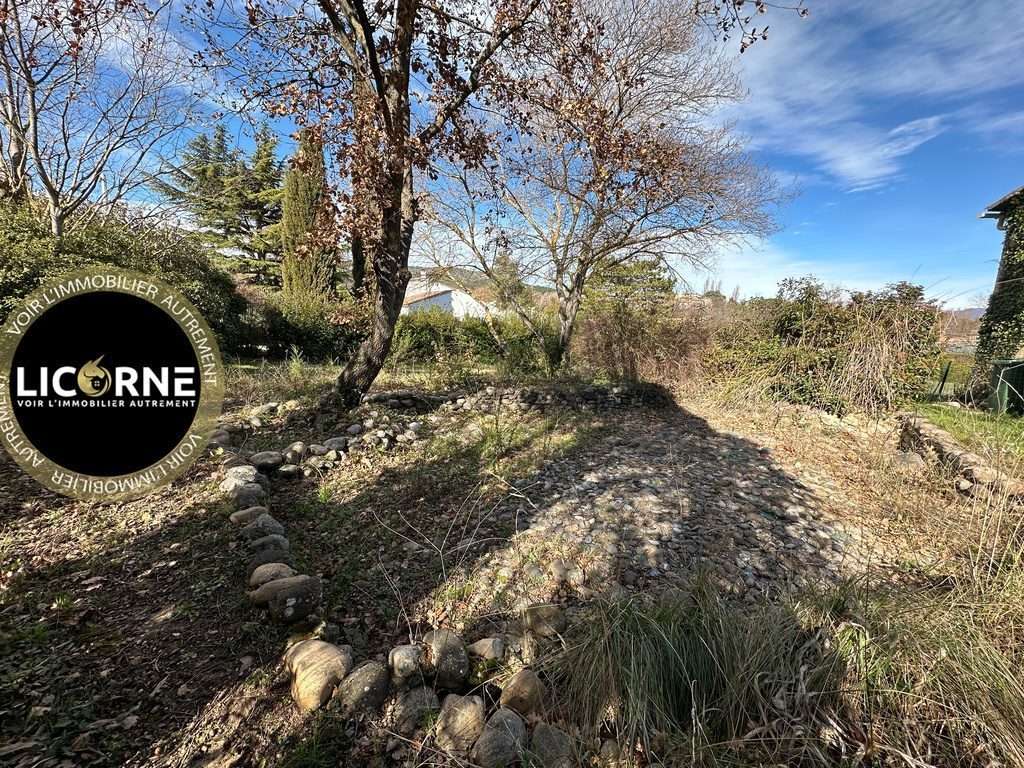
[[425, 335], [30, 256], [433, 334], [320, 330]]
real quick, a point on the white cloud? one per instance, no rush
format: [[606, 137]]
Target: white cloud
[[826, 88], [755, 268], [1004, 129]]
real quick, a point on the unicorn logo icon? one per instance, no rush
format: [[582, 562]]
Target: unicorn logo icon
[[93, 379]]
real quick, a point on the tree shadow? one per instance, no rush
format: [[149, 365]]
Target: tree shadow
[[121, 622], [643, 503], [160, 628], [644, 500]]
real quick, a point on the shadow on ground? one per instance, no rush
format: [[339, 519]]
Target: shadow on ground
[[640, 501], [153, 656], [119, 622]]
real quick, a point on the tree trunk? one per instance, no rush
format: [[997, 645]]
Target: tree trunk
[[15, 187], [358, 267], [56, 221], [390, 263], [362, 368], [362, 96], [568, 308], [492, 328], [559, 356]]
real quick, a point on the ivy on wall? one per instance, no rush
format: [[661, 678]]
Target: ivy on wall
[[1001, 334]]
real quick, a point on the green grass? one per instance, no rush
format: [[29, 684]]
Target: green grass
[[979, 430], [856, 674], [683, 681], [254, 382], [323, 744]]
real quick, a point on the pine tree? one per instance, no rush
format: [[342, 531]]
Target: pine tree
[[626, 306], [235, 201], [508, 283], [308, 265], [260, 197]]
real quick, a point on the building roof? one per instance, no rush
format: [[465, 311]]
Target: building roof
[[1002, 205], [422, 295]]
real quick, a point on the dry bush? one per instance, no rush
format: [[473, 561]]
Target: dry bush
[[633, 326], [630, 348], [870, 353]]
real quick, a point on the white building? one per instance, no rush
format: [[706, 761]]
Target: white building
[[423, 296]]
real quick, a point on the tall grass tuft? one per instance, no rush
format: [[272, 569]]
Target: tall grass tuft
[[692, 680], [850, 675]]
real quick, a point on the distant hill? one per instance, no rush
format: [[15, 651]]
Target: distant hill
[[958, 330]]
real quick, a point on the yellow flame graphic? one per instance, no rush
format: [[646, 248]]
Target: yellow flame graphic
[[93, 379]]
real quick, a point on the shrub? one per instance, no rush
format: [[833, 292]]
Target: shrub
[[523, 354], [318, 328], [871, 352], [30, 256], [661, 346], [432, 332], [433, 336], [625, 317]]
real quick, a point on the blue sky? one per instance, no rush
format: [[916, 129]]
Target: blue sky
[[898, 121]]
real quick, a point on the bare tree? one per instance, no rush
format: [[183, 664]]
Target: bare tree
[[394, 88], [389, 87], [621, 162], [91, 91]]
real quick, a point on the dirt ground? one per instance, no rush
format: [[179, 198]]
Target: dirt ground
[[126, 639]]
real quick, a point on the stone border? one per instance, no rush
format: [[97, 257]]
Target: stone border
[[919, 434], [439, 694], [271, 581], [322, 672], [440, 662], [586, 398]]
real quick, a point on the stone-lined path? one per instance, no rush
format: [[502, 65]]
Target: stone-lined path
[[642, 501], [658, 498]]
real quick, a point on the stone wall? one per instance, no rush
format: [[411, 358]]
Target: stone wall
[[975, 474], [488, 399]]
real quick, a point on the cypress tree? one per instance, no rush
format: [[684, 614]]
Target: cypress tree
[[308, 266]]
